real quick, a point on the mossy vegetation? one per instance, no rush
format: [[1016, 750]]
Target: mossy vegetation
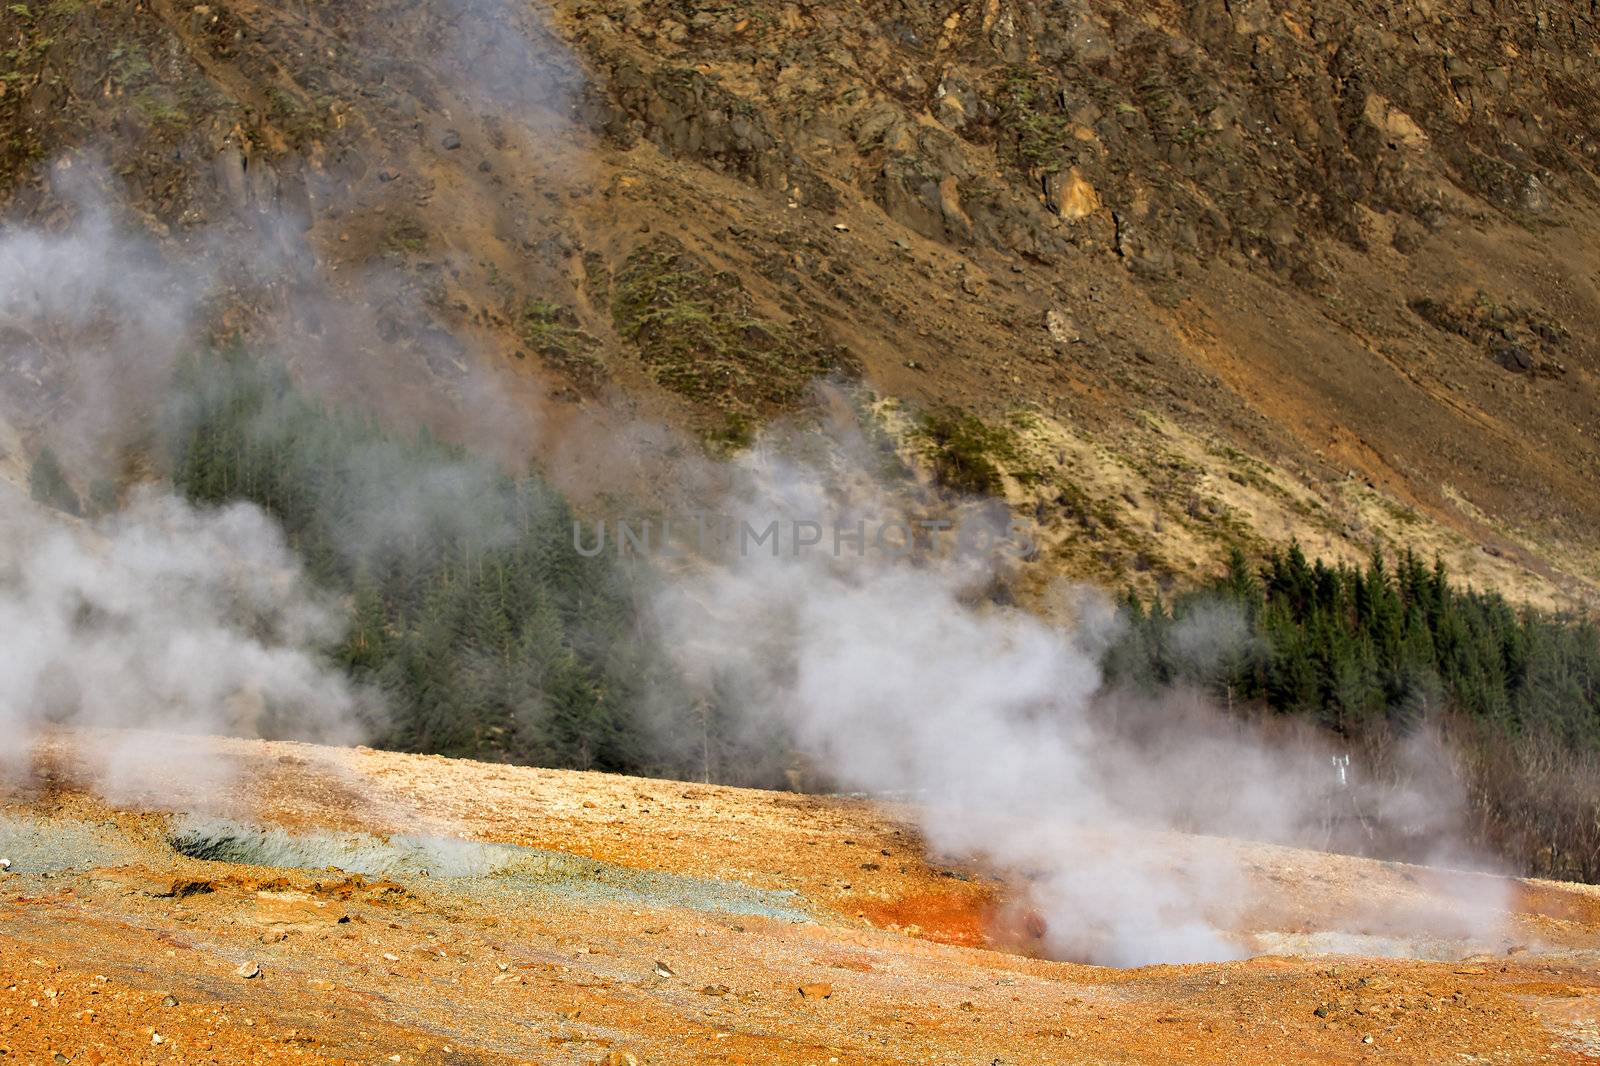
[[1036, 130], [551, 330], [405, 236], [967, 454], [161, 108], [699, 333]]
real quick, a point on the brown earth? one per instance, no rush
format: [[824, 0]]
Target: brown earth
[[1226, 271], [873, 953]]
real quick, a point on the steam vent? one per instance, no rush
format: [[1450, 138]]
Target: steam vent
[[784, 533]]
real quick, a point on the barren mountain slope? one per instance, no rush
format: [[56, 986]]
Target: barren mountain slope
[[1215, 271], [674, 922]]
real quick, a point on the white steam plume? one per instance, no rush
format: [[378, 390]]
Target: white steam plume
[[163, 618], [890, 679]]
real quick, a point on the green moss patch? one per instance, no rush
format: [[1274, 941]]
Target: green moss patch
[[699, 333]]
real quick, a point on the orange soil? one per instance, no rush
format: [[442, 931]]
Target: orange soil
[[372, 970]]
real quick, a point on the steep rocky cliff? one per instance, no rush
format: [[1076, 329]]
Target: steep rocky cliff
[[1208, 272]]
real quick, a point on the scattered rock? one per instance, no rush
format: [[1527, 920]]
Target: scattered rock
[[663, 970], [714, 990], [1060, 327], [1072, 195], [1533, 198], [816, 991], [450, 141], [169, 1001], [296, 911], [249, 971], [1513, 356]]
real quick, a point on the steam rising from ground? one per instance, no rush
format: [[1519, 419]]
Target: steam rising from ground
[[891, 679], [162, 618], [890, 675], [167, 617]]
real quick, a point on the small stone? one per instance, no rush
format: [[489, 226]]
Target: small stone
[[1060, 327], [249, 971], [714, 990], [5, 864], [841, 227], [816, 991], [388, 174], [1073, 196], [450, 141], [663, 970], [169, 1001]]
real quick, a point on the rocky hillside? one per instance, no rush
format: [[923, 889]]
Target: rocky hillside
[[1234, 270]]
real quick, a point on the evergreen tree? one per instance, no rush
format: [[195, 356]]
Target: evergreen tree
[[469, 605]]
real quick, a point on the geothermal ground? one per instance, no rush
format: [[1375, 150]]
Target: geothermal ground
[[329, 905]]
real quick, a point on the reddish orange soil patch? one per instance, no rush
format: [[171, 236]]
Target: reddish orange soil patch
[[966, 919], [947, 918]]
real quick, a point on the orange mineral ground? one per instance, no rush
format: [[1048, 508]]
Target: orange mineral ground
[[213, 901]]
